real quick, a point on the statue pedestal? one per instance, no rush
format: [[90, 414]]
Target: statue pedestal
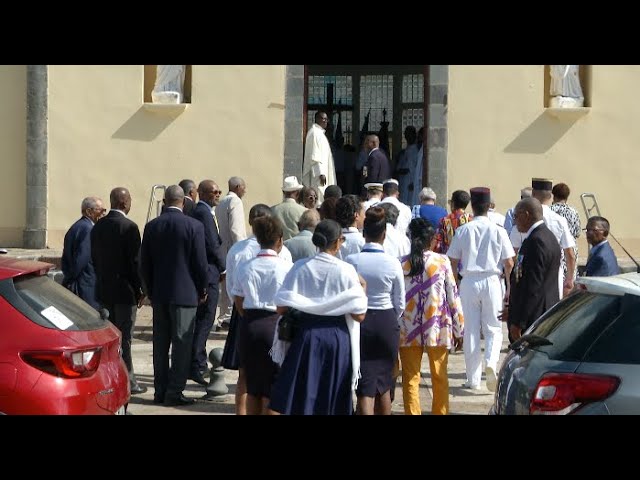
[[566, 102], [170, 98]]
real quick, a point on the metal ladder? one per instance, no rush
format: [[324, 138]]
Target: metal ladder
[[155, 200]]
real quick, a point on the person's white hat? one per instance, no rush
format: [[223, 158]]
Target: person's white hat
[[391, 180], [373, 186], [291, 184]]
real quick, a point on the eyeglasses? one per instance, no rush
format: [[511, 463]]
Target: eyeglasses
[[592, 230]]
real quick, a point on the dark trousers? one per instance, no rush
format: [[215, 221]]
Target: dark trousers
[[172, 327], [205, 317], [124, 317]]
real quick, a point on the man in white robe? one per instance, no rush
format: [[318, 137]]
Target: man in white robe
[[318, 170]]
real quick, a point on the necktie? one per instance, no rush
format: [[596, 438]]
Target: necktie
[[215, 220]]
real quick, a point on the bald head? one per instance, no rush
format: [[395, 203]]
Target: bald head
[[237, 186], [527, 212], [120, 199], [174, 196]]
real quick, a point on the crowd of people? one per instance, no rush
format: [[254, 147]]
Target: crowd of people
[[331, 296]]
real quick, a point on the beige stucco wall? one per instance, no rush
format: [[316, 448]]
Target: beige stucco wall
[[13, 128], [500, 136], [101, 136]]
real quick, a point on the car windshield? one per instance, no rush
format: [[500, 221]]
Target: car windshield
[[575, 323], [47, 303]]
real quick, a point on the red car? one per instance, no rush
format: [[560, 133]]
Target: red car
[[57, 355]]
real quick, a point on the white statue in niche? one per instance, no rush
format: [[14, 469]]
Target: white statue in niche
[[565, 87], [169, 86]]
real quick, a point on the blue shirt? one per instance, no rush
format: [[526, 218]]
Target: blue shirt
[[433, 214]]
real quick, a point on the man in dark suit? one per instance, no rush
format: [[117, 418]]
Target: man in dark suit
[[190, 195], [173, 265], [77, 267], [534, 278], [602, 261], [115, 249], [209, 194], [378, 166]]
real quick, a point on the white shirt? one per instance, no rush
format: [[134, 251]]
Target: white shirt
[[372, 202], [496, 218], [404, 217], [481, 246], [125, 215], [395, 243], [554, 222], [259, 278], [242, 251], [384, 277], [354, 241], [321, 277]]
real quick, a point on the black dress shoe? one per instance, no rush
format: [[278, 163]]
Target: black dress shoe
[[178, 401], [198, 378], [158, 400], [137, 389]]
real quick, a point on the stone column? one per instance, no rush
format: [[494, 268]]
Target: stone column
[[293, 121], [35, 233], [437, 131]]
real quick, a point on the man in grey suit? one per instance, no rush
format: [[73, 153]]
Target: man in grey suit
[[301, 245], [289, 211], [231, 226]]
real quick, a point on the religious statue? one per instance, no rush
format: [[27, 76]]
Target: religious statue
[[169, 86], [565, 87]]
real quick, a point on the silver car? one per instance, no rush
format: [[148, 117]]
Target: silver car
[[580, 357]]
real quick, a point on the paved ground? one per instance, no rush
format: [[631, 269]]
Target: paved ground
[[462, 401]]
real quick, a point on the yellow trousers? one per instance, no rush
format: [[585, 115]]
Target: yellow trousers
[[411, 358]]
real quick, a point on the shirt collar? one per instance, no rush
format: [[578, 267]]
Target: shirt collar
[[534, 226], [319, 127], [373, 246], [119, 211], [92, 222], [175, 208]]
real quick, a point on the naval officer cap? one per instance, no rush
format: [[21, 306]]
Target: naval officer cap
[[480, 195], [541, 184]]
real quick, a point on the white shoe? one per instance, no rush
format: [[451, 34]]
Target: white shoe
[[492, 380], [469, 386]]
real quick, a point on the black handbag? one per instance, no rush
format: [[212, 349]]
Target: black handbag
[[287, 326]]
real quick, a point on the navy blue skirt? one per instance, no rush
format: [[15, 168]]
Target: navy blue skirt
[[315, 377], [379, 342], [230, 355], [255, 340]]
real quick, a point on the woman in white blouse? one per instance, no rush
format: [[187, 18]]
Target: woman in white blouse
[[258, 280], [380, 332], [321, 366]]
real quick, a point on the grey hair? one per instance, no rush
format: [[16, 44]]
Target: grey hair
[[235, 182], [427, 194], [173, 195], [309, 219], [525, 192], [89, 202]]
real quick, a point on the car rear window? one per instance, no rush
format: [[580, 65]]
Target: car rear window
[[620, 342], [49, 304], [574, 324]]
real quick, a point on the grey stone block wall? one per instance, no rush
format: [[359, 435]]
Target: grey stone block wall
[[293, 121], [437, 140], [35, 233]]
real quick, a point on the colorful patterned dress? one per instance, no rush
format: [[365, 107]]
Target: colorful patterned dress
[[433, 313]]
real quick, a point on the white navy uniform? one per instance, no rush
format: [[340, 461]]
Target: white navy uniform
[[481, 246], [404, 214], [395, 243]]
